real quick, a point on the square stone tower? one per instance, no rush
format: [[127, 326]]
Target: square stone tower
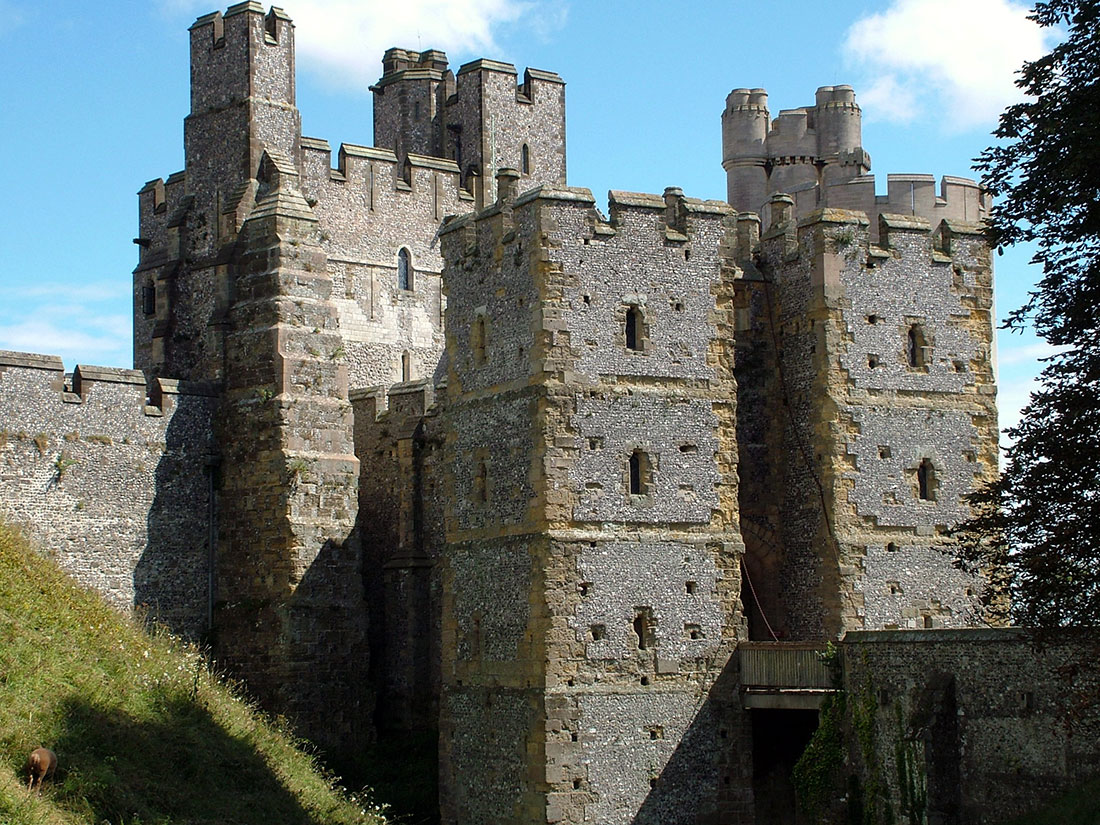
[[590, 575]]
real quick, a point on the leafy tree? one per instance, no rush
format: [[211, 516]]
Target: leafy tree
[[1040, 522]]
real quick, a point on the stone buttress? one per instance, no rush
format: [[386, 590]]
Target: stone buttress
[[289, 615], [590, 576]]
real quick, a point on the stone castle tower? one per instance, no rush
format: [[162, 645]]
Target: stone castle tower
[[430, 444]]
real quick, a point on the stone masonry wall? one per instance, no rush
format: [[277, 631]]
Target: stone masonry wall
[[370, 207], [115, 488], [610, 613], [995, 721], [862, 543]]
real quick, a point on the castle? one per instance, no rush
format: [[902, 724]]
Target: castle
[[419, 439]]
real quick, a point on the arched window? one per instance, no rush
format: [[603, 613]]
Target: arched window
[[404, 270], [406, 366], [915, 344], [634, 328], [926, 480], [525, 159]]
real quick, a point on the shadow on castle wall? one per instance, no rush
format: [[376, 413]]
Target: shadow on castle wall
[[304, 650], [173, 577], [703, 779]]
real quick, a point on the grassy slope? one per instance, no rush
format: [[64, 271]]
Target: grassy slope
[[144, 734]]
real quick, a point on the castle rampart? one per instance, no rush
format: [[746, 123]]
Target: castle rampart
[[115, 483], [994, 721]]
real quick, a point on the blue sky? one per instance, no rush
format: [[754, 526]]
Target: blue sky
[[93, 96]]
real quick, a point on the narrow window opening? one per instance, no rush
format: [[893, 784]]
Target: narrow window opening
[[404, 270], [915, 344], [928, 621], [926, 480], [525, 159], [416, 110], [891, 548], [149, 299], [598, 632], [406, 366], [689, 588], [478, 336], [634, 328], [643, 627], [481, 483], [639, 472], [271, 27]]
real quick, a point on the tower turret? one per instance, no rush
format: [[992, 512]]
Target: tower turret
[[242, 102], [839, 123], [409, 100], [744, 154]]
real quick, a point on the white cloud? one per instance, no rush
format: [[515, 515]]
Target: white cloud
[[11, 17], [1012, 397], [886, 98], [958, 58], [95, 291], [1010, 355], [343, 40], [106, 343]]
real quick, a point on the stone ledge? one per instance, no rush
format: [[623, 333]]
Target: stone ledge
[[31, 360]]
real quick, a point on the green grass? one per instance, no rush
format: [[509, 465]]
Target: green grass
[[144, 733], [1081, 806]]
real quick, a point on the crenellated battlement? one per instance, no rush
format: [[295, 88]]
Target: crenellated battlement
[[44, 377], [958, 200], [233, 57]]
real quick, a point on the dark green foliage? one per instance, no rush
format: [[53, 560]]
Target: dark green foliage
[[912, 787], [1081, 806], [403, 770], [818, 773], [1039, 524]]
